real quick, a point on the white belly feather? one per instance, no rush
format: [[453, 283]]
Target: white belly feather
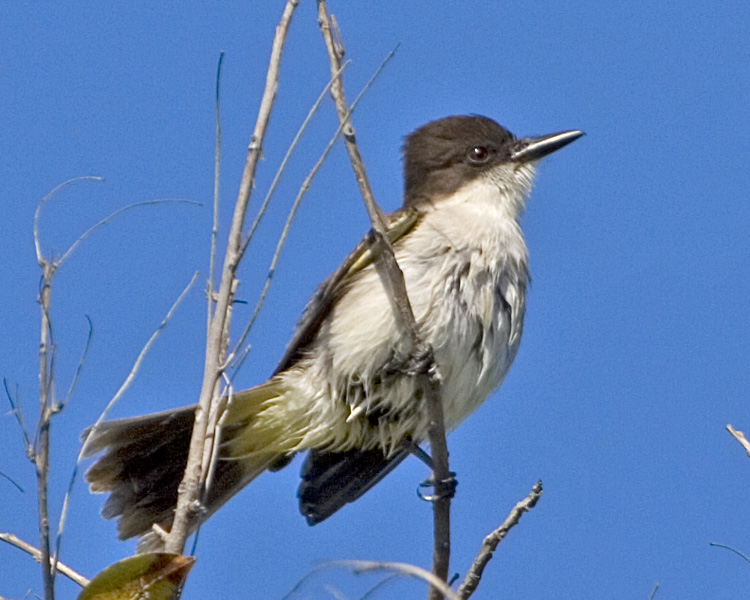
[[465, 267]]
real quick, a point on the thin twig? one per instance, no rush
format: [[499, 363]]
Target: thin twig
[[37, 244], [215, 423], [57, 408], [217, 179], [737, 552], [379, 586], [393, 281], [190, 486], [15, 408], [120, 392], [740, 437], [79, 367], [298, 584], [13, 540], [48, 405], [13, 482], [367, 566], [335, 52], [304, 188], [106, 220], [210, 447], [653, 592], [285, 161], [490, 543], [364, 566]]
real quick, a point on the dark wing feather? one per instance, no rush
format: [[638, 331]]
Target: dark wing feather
[[332, 479]]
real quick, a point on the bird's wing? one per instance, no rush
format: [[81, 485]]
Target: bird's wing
[[397, 224], [331, 480]]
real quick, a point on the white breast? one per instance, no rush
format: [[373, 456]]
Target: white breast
[[474, 322], [465, 267]]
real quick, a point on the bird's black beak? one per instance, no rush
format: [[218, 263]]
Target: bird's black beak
[[528, 149]]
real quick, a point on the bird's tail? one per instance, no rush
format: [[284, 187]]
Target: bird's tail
[[144, 461]]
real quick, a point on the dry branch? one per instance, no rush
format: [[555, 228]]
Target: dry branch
[[41, 440], [490, 543], [190, 487], [37, 554], [38, 450]]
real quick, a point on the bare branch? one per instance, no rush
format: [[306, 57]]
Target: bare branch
[[210, 449], [48, 405], [740, 437], [335, 53], [393, 281], [190, 484], [13, 540], [490, 543], [41, 440], [653, 592]]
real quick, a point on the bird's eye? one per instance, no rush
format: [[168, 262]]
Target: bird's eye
[[478, 155]]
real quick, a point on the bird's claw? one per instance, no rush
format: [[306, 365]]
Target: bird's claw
[[422, 362]]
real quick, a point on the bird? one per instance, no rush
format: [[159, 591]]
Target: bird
[[344, 391]]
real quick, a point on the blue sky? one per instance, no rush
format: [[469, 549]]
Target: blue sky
[[636, 350]]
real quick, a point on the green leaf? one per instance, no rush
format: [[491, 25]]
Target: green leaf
[[152, 576]]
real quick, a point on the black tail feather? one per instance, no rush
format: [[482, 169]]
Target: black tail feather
[[143, 465]]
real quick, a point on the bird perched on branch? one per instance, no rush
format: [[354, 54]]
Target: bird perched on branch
[[345, 392]]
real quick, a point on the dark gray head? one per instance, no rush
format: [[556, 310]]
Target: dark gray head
[[443, 155]]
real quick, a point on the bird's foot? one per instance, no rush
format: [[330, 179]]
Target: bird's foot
[[444, 489]]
